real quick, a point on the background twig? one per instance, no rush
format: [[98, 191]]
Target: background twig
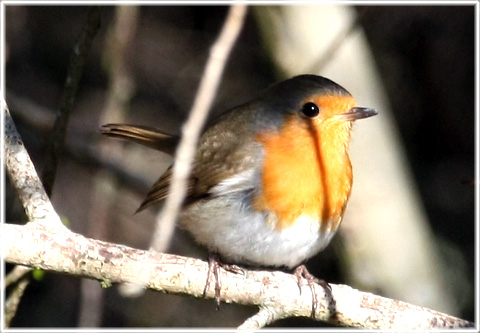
[[75, 70], [192, 128], [11, 304], [121, 87]]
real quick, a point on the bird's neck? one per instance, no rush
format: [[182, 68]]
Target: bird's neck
[[306, 173]]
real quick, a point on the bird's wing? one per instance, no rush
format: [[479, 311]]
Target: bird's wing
[[229, 167], [225, 162], [159, 190]]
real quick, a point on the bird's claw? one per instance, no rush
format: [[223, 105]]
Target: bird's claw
[[301, 272]]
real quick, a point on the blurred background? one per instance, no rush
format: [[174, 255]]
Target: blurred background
[[409, 230]]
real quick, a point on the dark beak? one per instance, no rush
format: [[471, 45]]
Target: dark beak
[[358, 113]]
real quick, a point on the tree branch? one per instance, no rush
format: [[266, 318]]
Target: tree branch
[[24, 177], [276, 293]]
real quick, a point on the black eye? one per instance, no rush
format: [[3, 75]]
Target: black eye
[[310, 110]]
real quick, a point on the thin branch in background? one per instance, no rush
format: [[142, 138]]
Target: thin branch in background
[[121, 87], [118, 45], [75, 70], [192, 128], [19, 279], [11, 304], [17, 273]]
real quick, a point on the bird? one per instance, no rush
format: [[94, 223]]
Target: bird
[[271, 177]]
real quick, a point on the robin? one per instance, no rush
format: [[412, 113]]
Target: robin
[[271, 177]]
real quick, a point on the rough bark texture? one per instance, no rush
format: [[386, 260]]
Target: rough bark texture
[[276, 293]]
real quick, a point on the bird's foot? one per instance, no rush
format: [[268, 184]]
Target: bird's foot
[[214, 265], [301, 273]]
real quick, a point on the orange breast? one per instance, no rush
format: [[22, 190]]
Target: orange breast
[[306, 170]]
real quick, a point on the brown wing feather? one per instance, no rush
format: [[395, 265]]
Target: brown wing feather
[[144, 135], [227, 150], [159, 191]]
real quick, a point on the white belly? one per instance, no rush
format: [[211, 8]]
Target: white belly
[[241, 235]]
